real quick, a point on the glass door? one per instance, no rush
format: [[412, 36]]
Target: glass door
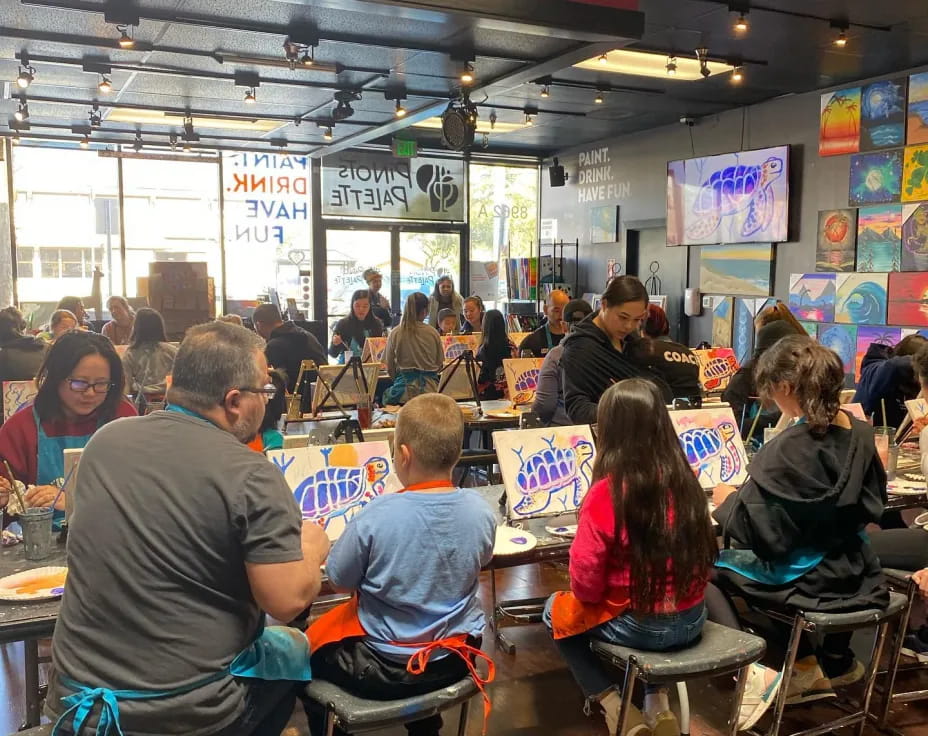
[[349, 253], [424, 257]]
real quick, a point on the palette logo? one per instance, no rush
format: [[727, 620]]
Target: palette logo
[[438, 183]]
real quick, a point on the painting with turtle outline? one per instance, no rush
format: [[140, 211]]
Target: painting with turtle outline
[[453, 346], [712, 444], [546, 471], [522, 378], [740, 197], [716, 367], [16, 394], [332, 483]]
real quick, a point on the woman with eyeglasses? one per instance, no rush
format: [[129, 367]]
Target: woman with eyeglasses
[[80, 390]]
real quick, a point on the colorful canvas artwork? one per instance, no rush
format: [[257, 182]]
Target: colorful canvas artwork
[[811, 328], [839, 124], [742, 333], [740, 197], [742, 270], [917, 408], [16, 394], [837, 240], [843, 340], [712, 445], [860, 298], [522, 379], [454, 346], [883, 114], [723, 315], [915, 174], [867, 336], [516, 338], [332, 483], [915, 237], [879, 238], [875, 178], [604, 224], [716, 367], [908, 299], [374, 348], [917, 120], [812, 296], [546, 471]]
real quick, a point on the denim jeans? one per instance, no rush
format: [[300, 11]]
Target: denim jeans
[[268, 707], [653, 632]]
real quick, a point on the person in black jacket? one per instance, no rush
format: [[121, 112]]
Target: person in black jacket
[[606, 348], [539, 342], [21, 355], [675, 363], [287, 345], [494, 349], [888, 379], [350, 332], [380, 305]]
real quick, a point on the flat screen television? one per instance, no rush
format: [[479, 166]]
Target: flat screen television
[[740, 197]]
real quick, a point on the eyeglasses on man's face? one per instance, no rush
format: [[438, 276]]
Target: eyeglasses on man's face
[[269, 390], [80, 386]]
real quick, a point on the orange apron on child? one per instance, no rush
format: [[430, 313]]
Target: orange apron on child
[[570, 616]]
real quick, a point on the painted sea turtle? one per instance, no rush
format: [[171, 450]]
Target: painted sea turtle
[[526, 384], [703, 445], [549, 471], [732, 190], [717, 371]]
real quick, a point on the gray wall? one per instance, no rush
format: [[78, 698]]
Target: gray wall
[[637, 167]]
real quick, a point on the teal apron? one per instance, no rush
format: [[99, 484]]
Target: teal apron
[[277, 653], [354, 348], [50, 460], [406, 380]]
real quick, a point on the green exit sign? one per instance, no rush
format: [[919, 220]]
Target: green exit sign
[[405, 149]]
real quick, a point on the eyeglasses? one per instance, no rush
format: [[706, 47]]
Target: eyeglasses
[[268, 390], [79, 386]]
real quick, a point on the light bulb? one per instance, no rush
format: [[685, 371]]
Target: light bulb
[[105, 86], [250, 98], [741, 25], [604, 59], [400, 110]]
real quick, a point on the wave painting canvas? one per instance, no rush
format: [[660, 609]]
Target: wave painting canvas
[[882, 114], [812, 296], [860, 298], [735, 269]]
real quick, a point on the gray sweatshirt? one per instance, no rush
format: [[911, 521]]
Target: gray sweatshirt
[[418, 349], [147, 366]]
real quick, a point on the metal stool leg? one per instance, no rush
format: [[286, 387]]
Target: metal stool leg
[[628, 688], [870, 676], [684, 698], [329, 721], [791, 651], [895, 654], [736, 699], [33, 704], [462, 723]]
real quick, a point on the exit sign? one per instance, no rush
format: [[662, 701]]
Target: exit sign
[[405, 149]]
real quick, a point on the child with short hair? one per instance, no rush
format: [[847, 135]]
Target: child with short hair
[[642, 555], [448, 322], [413, 560]]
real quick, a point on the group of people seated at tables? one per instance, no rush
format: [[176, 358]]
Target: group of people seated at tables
[[183, 535]]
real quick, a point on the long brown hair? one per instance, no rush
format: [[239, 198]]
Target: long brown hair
[[814, 373], [416, 304], [638, 451]]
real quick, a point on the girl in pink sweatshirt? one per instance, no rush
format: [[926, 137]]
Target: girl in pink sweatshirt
[[642, 555]]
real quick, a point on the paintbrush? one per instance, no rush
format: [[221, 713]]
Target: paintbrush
[[747, 442], [64, 484], [883, 404], [13, 486]]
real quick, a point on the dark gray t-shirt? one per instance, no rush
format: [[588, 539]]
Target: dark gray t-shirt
[[168, 508]]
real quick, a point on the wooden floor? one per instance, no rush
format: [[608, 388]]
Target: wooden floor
[[534, 694]]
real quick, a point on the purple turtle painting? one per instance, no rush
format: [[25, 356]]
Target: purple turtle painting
[[522, 379], [711, 441]]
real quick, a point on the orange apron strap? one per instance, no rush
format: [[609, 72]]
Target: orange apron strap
[[336, 625], [570, 616]]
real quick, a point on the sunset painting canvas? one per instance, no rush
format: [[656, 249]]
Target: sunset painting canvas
[[837, 240], [879, 238], [812, 296], [839, 124], [908, 299]]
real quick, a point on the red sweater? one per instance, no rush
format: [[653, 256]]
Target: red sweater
[[19, 438], [599, 568]]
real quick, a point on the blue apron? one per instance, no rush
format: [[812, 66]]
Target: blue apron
[[277, 653], [354, 348], [50, 460], [406, 380]]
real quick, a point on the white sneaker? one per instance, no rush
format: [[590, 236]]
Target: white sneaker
[[759, 693], [635, 724]]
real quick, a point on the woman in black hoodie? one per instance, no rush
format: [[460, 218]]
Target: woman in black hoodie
[[606, 348], [798, 520]]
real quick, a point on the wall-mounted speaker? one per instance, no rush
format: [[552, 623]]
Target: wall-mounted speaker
[[557, 174]]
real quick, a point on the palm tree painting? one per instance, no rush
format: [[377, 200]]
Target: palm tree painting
[[839, 130]]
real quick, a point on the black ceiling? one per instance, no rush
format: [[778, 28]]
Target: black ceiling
[[188, 53]]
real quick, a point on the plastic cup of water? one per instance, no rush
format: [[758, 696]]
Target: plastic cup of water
[[37, 532], [883, 438]]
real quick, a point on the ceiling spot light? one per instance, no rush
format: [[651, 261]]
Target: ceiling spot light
[[737, 74], [702, 55], [250, 98], [604, 59], [172, 139], [400, 110], [841, 39], [545, 91], [137, 145], [741, 24], [599, 99], [105, 86], [529, 118], [125, 40], [327, 134], [467, 74], [85, 142], [26, 74], [308, 58], [22, 112], [671, 66], [95, 117]]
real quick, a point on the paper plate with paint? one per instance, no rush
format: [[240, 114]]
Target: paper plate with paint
[[568, 530], [906, 488], [40, 584], [510, 541]]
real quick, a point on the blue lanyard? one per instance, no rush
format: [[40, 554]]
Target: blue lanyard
[[190, 413]]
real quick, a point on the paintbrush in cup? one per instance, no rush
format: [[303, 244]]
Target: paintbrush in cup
[[64, 485], [13, 486]]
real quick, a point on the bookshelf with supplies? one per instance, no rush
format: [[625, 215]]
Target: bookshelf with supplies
[[530, 280]]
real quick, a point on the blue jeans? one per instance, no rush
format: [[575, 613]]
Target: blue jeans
[[653, 633]]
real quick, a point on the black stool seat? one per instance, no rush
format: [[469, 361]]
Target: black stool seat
[[832, 622], [354, 713], [37, 731], [719, 650], [475, 456]]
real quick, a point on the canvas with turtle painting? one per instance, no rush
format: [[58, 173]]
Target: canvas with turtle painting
[[522, 379], [711, 441]]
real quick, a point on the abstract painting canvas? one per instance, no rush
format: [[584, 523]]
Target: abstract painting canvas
[[882, 114], [454, 346], [522, 378], [811, 328], [743, 270], [742, 335], [876, 178], [843, 340], [546, 471], [604, 224], [16, 394], [333, 483], [712, 445], [879, 238], [867, 336], [861, 298], [723, 315], [917, 122], [374, 348], [915, 174], [716, 367], [908, 299], [812, 296], [839, 124], [915, 237], [837, 240]]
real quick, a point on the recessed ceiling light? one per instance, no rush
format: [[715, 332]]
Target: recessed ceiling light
[[652, 64]]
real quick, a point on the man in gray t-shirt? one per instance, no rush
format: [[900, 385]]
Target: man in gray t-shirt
[[181, 538]]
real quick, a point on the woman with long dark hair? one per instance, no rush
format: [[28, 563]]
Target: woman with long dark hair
[[608, 348], [150, 357], [444, 297], [413, 354], [350, 333], [80, 389], [495, 347], [643, 552]]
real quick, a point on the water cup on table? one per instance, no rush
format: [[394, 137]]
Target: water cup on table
[[37, 532], [883, 438], [364, 413]]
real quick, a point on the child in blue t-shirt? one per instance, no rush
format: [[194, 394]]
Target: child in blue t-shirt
[[413, 559]]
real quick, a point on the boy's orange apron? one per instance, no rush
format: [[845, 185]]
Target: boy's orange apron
[[343, 622]]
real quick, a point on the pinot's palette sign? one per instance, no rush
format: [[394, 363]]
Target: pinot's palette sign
[[363, 184]]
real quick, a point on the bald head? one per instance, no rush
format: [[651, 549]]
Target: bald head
[[429, 437], [554, 310]]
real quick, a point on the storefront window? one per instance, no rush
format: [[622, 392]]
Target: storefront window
[[426, 256], [348, 254]]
